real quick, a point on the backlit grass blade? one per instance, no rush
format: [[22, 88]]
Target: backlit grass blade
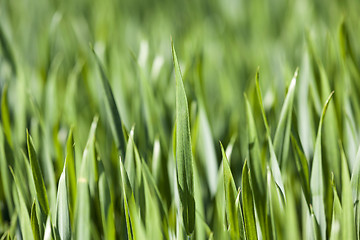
[[5, 172], [248, 205], [23, 214], [291, 220], [152, 216], [282, 134], [316, 231], [62, 212], [82, 221], [337, 219], [129, 159], [230, 199], [317, 177], [114, 115], [184, 161], [37, 175], [207, 150], [355, 185], [347, 224]]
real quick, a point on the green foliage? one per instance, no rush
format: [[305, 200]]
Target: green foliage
[[120, 140]]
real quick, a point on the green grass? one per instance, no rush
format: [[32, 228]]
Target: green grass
[[181, 120]]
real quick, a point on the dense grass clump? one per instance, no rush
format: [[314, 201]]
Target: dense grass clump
[[216, 119]]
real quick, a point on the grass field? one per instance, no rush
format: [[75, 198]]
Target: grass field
[[218, 119]]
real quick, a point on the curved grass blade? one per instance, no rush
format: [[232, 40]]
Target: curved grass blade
[[37, 175], [184, 161], [115, 119], [248, 205], [317, 177]]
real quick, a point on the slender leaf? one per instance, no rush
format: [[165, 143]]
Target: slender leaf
[[37, 175], [184, 162], [82, 221], [282, 134], [248, 205], [317, 180], [347, 224], [34, 222], [25, 223], [114, 115], [63, 217], [230, 200]]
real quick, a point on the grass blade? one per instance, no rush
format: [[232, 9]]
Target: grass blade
[[184, 161], [274, 165], [5, 115], [282, 134], [107, 208], [257, 166], [34, 222], [248, 205], [82, 222], [37, 175], [70, 174], [317, 180], [302, 169], [23, 214], [347, 224], [230, 200], [115, 119], [62, 212]]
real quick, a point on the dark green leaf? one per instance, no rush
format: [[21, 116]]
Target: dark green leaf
[[37, 175], [184, 162], [248, 205]]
